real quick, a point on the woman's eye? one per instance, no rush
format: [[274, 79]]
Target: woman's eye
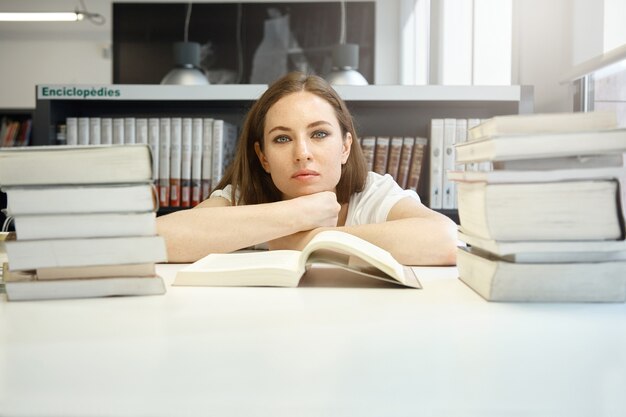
[[320, 134], [281, 139]]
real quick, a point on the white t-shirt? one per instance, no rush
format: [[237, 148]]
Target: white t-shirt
[[372, 205]]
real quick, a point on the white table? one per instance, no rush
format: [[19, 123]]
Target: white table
[[312, 351]]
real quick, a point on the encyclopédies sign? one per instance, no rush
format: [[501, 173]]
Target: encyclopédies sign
[[78, 92]]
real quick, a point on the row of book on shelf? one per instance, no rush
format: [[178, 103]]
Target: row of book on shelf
[[189, 154], [15, 132], [85, 222], [546, 223]]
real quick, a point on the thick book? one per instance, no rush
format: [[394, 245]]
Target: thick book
[[497, 280], [417, 162], [562, 210], [186, 156], [26, 286], [405, 161], [224, 146], [69, 226], [176, 134], [381, 154], [115, 198], [549, 251], [448, 195], [53, 253], [164, 161], [102, 271], [525, 176], [544, 123], [284, 268], [562, 162], [545, 145], [196, 161], [368, 145], [47, 165], [395, 152]]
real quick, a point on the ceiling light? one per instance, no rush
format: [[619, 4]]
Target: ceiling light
[[41, 17]]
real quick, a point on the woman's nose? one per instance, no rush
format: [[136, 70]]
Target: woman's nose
[[302, 150]]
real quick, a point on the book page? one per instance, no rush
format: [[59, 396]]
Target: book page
[[347, 244], [278, 259]]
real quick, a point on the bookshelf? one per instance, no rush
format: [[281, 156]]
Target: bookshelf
[[378, 110], [20, 134]]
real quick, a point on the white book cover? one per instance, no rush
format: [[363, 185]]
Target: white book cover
[[153, 143], [449, 189], [71, 126], [94, 131], [118, 131], [106, 131], [185, 174], [83, 130], [436, 164], [141, 130], [196, 161], [176, 133], [164, 161], [207, 157], [471, 123], [129, 130]]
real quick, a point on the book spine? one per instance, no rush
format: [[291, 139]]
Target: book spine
[[118, 131], [417, 162], [196, 161], [164, 161], [71, 126], [106, 131], [382, 155], [405, 161], [175, 160], [153, 142], [436, 164], [83, 130], [471, 123], [141, 126], [185, 175], [368, 144], [449, 187], [207, 157], [218, 151], [129, 130], [95, 130], [395, 149]]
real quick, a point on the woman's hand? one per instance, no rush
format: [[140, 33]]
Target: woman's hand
[[317, 210]]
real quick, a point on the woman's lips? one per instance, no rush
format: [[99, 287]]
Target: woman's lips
[[305, 174]]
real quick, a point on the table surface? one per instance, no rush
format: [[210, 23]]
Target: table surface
[[316, 350]]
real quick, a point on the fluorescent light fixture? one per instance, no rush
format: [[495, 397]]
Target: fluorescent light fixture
[[41, 17]]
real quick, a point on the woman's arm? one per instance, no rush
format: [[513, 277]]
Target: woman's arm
[[413, 234], [215, 226]]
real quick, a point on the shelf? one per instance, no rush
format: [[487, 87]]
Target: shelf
[[250, 92]]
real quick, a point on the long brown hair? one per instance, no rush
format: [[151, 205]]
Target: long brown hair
[[247, 176]]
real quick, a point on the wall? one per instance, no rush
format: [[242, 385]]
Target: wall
[[545, 39]]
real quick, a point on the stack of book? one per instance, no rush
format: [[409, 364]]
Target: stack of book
[[547, 222], [85, 222]]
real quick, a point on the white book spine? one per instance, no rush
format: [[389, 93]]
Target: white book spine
[[185, 174], [129, 130], [94, 131], [436, 164], [472, 122], [106, 131], [71, 125], [141, 130], [175, 160], [153, 142], [207, 157], [118, 131], [83, 130], [196, 161], [164, 161], [449, 188], [218, 151]]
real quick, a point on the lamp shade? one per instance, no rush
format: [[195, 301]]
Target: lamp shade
[[186, 61], [345, 63]]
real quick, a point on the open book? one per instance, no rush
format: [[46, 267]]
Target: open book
[[284, 268]]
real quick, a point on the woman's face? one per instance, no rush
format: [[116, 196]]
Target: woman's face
[[303, 148]]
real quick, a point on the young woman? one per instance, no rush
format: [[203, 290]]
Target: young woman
[[299, 170]]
